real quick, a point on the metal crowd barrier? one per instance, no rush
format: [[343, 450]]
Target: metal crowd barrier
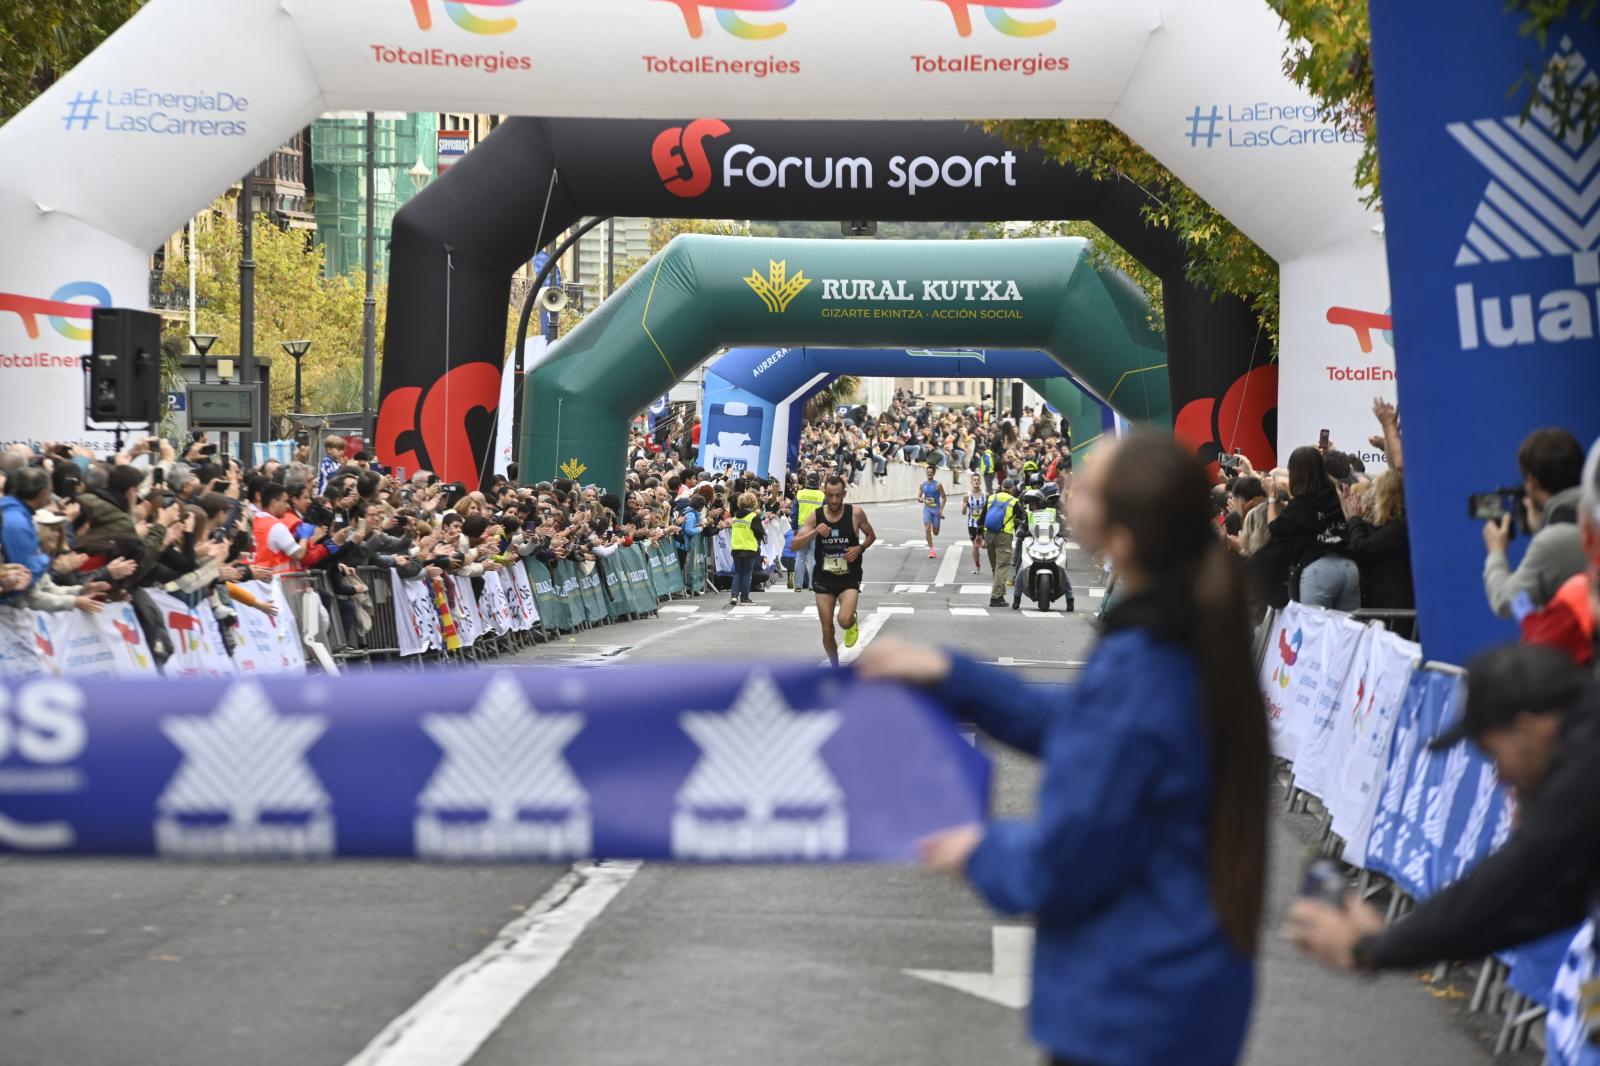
[[628, 585], [1492, 990]]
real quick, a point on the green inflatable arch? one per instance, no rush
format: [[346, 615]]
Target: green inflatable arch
[[703, 293]]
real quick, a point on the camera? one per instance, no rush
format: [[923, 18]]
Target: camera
[[1493, 506], [319, 514]]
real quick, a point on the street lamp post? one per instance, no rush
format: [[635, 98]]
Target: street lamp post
[[202, 345], [297, 351]]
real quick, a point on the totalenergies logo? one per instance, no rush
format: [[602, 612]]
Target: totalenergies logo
[[60, 309], [680, 156], [1001, 19], [460, 12], [1364, 324], [1289, 653], [728, 17]]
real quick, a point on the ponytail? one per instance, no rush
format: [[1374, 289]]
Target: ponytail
[[1160, 494], [1241, 755]]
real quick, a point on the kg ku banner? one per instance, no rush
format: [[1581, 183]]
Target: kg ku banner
[[692, 763]]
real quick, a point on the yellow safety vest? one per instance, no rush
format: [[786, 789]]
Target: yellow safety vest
[[744, 538], [808, 500]]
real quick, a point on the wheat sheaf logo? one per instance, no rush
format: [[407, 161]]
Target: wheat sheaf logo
[[778, 290], [573, 469]]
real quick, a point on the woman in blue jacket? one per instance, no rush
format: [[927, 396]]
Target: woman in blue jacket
[[1143, 868]]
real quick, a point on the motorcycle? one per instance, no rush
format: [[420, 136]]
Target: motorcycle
[[1042, 559]]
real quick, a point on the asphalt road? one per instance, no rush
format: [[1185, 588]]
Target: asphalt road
[[123, 962]]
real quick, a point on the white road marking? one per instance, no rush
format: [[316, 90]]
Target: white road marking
[[1009, 982], [1051, 613], [909, 589], [747, 609], [1097, 594], [447, 1026], [954, 555], [976, 590], [679, 608], [869, 629], [894, 610], [970, 612]]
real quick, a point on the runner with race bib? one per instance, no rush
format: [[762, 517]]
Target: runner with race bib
[[842, 535], [932, 508]]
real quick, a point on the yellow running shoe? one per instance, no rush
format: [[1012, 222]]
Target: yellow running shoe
[[853, 634]]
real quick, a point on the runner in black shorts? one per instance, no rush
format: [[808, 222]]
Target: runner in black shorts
[[843, 535], [974, 506]]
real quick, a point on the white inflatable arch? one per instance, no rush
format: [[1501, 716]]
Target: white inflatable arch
[[191, 94]]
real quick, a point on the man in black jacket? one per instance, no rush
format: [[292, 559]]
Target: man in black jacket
[[1527, 708]]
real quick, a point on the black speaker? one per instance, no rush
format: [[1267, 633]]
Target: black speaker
[[1016, 401], [125, 366]]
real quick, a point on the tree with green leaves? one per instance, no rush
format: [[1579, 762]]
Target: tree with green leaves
[[1222, 260], [43, 39], [294, 301]]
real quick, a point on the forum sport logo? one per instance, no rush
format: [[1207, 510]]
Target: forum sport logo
[[679, 153], [684, 164], [1000, 18], [730, 19], [1541, 202], [461, 13]]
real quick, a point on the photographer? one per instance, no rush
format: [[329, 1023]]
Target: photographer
[[1551, 462]]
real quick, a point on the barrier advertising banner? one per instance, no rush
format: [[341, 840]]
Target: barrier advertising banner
[[1493, 232], [1341, 643], [700, 762], [1292, 675], [1370, 699]]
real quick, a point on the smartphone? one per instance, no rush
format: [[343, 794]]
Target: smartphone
[[1323, 439], [1324, 881], [158, 476]]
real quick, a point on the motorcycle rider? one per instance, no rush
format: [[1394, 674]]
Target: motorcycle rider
[[1037, 503]]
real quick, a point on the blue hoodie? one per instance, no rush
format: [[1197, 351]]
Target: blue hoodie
[[1131, 966], [20, 541]]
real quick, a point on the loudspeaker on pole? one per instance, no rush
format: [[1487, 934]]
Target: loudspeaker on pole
[[125, 366]]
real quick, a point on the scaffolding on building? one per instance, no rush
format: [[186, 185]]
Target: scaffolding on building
[[338, 160]]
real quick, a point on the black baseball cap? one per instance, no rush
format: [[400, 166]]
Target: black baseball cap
[[1506, 681]]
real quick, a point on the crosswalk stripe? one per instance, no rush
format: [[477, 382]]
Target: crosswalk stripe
[[750, 609], [679, 608], [975, 590], [1097, 594], [895, 610], [970, 612]]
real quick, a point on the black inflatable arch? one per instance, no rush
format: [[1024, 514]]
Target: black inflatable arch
[[457, 244]]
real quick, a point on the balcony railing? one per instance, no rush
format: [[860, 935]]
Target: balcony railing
[[169, 294]]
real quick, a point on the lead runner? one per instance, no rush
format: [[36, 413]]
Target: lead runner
[[843, 535]]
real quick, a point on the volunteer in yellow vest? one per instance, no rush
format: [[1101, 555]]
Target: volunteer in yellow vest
[[1000, 522], [806, 501], [747, 537], [986, 465], [842, 535]]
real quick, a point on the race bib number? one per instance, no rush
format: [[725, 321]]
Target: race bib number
[[835, 564]]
